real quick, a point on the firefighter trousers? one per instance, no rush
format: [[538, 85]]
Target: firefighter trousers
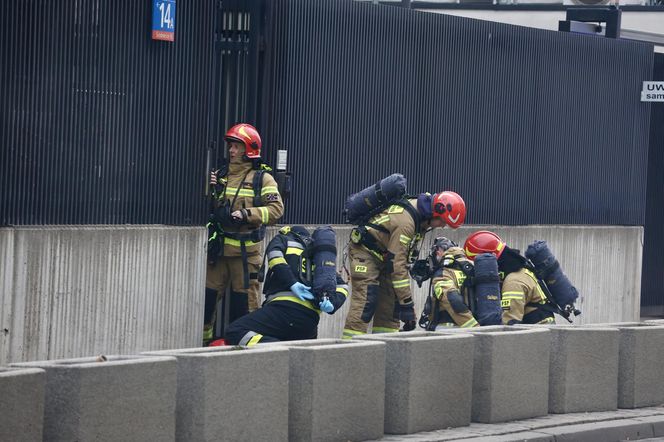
[[229, 271], [275, 321], [372, 295]]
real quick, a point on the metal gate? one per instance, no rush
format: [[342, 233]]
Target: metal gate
[[100, 124]]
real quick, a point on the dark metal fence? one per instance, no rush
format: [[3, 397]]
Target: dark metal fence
[[99, 124], [529, 126]]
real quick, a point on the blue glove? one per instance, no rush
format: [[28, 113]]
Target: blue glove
[[302, 291], [326, 306]]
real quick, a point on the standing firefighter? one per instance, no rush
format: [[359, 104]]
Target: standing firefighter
[[523, 299], [380, 253], [301, 282], [245, 200]]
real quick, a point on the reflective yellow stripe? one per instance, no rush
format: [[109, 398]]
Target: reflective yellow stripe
[[207, 333], [548, 320], [296, 300], [294, 251], [236, 242], [438, 290], [269, 189], [513, 295], [348, 333], [241, 192], [405, 240], [377, 330], [378, 256], [265, 214], [275, 261], [469, 323], [381, 219], [400, 283], [343, 291], [254, 340]]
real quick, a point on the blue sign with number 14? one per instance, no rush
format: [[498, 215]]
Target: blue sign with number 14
[[163, 20]]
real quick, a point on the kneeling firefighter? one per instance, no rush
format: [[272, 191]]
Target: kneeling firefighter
[[381, 248], [301, 282], [525, 298], [449, 291]]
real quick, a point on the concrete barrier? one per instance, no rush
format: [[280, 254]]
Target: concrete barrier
[[428, 380], [641, 361], [231, 393], [336, 389], [21, 404], [583, 370], [123, 398], [510, 373]]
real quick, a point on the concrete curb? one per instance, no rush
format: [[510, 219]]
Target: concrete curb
[[604, 426]]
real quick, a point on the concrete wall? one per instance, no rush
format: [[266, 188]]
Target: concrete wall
[[71, 291], [603, 262]]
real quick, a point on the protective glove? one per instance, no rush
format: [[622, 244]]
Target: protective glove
[[302, 291], [405, 312], [213, 178], [240, 216], [326, 306]]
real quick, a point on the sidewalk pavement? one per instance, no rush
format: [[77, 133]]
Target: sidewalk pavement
[[621, 425]]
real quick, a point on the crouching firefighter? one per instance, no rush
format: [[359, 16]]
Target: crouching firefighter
[[245, 200], [380, 252], [301, 282], [450, 291], [523, 295]]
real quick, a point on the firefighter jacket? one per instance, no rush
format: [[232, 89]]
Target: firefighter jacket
[[523, 300], [451, 298], [238, 193], [393, 237], [287, 264]]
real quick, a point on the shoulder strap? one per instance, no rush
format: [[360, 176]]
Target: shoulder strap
[[257, 185], [417, 218]]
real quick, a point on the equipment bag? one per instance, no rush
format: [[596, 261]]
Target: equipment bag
[[323, 256], [361, 206], [487, 290], [547, 268]]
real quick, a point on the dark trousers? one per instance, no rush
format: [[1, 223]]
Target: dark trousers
[[276, 321]]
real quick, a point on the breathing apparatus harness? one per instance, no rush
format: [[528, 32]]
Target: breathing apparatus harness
[[222, 216]]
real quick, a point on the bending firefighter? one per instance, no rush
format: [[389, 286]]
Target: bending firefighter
[[245, 200], [450, 293], [522, 297], [380, 252], [301, 282]]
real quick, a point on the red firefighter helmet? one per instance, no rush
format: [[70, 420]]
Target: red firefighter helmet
[[247, 134], [483, 241], [449, 207]]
